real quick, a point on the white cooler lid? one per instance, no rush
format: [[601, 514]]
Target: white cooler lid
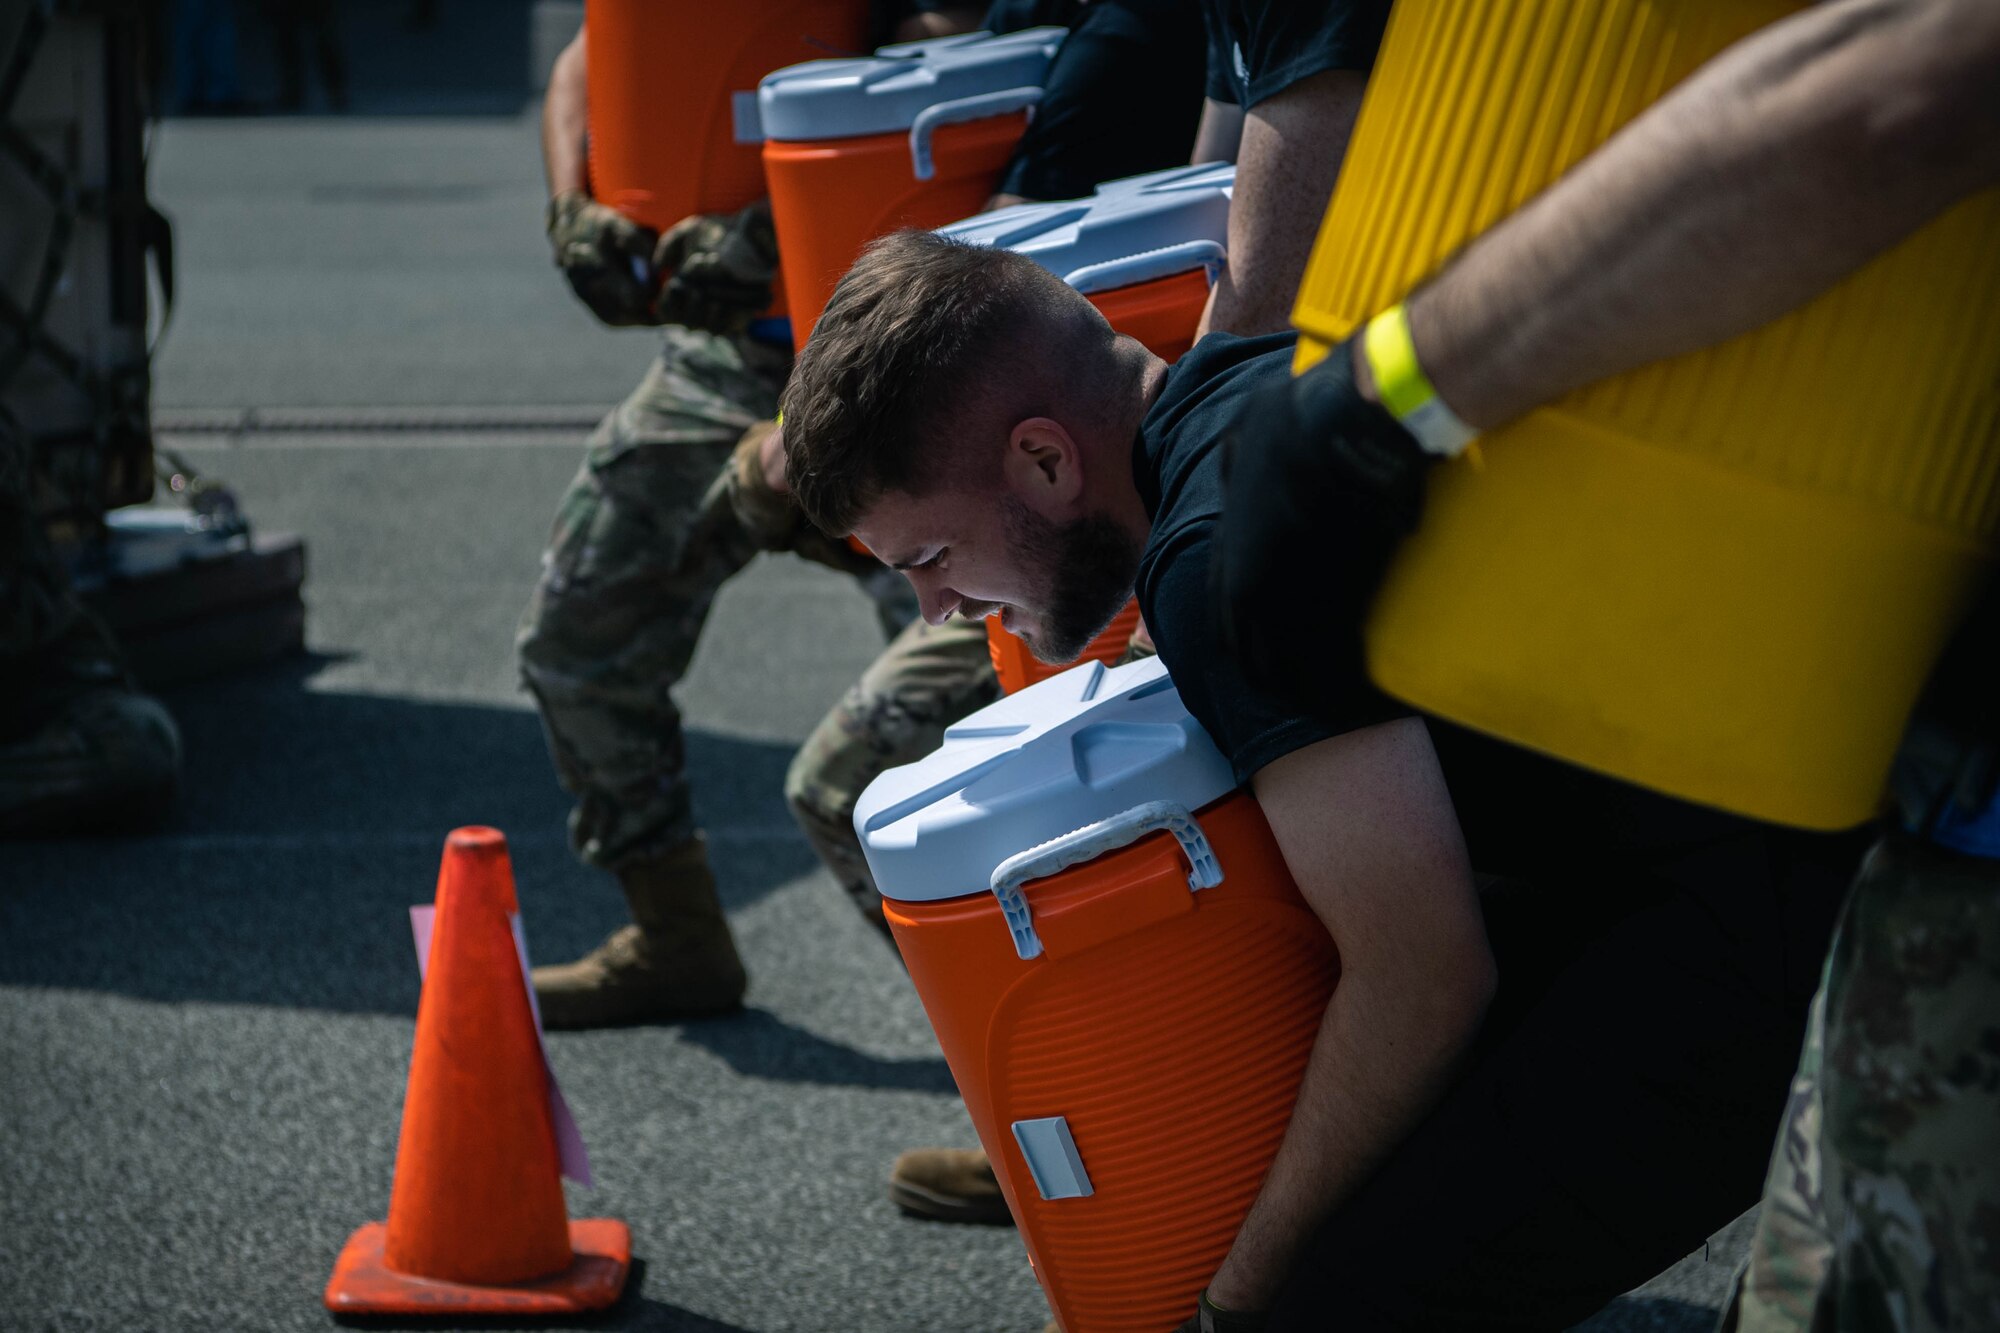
[[1102, 242], [886, 92], [1082, 746]]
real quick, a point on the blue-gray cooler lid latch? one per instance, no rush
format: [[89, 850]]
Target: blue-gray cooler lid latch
[[1052, 1158]]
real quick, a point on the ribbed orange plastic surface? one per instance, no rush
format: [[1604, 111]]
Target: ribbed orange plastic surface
[[830, 197], [1162, 313], [1018, 668], [1169, 1028], [1175, 1056], [661, 74], [1724, 575]]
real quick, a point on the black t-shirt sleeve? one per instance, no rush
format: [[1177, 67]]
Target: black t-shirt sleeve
[[1217, 83], [1014, 15], [1259, 48], [1123, 96], [1249, 729], [1177, 466]]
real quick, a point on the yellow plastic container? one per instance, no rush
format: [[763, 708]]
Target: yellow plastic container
[[1724, 576]]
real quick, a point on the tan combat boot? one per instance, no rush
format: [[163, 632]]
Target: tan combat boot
[[676, 959], [948, 1185]]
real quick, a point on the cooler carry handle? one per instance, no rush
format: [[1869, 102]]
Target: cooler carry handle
[[1165, 262], [1087, 844], [956, 111]]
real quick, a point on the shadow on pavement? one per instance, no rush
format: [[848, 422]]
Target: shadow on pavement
[[758, 1044], [268, 753], [312, 820], [635, 1312]]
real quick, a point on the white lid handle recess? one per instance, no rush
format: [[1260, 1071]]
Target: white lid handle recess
[[1129, 233], [898, 87], [1087, 844], [1165, 262], [956, 112]]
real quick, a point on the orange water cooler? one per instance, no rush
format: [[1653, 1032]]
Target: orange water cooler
[[673, 96], [913, 136], [1100, 925], [1145, 250], [673, 101], [1017, 666]]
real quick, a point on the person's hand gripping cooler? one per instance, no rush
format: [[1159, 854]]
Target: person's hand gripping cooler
[[607, 258], [755, 490], [717, 267], [721, 267], [1324, 477]]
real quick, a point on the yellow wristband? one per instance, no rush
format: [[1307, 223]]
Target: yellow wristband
[[1405, 391]]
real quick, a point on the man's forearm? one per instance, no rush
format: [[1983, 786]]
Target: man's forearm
[[1784, 164], [1367, 829], [1218, 134], [1385, 1052], [565, 120], [1288, 159]]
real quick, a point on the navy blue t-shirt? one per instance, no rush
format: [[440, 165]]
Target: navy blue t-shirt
[[1177, 462], [1122, 96], [1259, 48], [1520, 811]]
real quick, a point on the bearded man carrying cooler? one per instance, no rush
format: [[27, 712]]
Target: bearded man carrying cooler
[[1521, 1102]]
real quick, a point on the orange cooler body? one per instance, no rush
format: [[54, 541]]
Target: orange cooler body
[[1144, 250], [663, 78], [1118, 969], [915, 136], [1161, 313], [1018, 668], [828, 200]]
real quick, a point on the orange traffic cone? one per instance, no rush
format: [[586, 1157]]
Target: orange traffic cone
[[477, 1223]]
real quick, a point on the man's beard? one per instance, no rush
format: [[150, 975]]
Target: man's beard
[[1087, 566]]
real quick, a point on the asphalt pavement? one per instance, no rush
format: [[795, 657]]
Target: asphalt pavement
[[204, 1031]]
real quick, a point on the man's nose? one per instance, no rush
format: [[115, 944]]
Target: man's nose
[[936, 601]]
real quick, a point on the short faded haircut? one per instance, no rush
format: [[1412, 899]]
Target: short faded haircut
[[924, 336]]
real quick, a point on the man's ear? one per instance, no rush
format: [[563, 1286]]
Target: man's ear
[[1044, 467]]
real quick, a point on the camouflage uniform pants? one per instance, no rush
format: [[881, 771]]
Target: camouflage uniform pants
[[929, 677], [1882, 1208], [664, 510]]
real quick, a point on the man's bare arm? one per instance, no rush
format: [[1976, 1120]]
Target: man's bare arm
[[938, 23], [1285, 168], [565, 117], [1218, 134], [1781, 166], [1367, 829]]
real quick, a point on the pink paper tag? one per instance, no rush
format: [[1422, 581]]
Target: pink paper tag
[[569, 1139]]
